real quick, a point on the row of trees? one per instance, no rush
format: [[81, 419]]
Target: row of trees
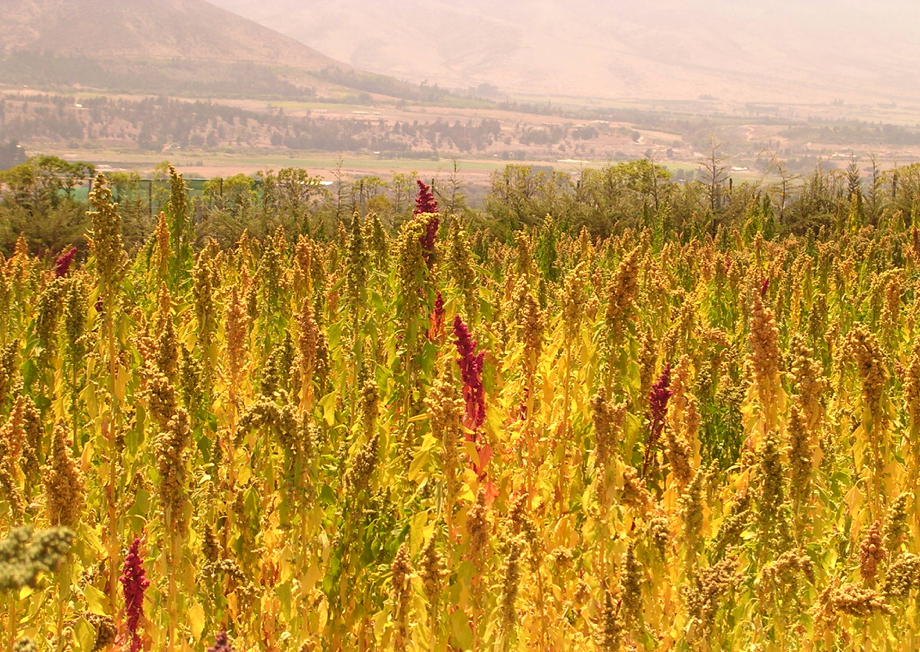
[[155, 122], [37, 200], [11, 155]]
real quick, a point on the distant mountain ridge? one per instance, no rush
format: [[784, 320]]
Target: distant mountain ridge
[[178, 48], [148, 29], [778, 51]]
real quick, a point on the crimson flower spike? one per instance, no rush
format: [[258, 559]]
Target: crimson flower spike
[[470, 363], [658, 408], [426, 204], [221, 644], [471, 373], [134, 583], [436, 329], [62, 264], [425, 201]]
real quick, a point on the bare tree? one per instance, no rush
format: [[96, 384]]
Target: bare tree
[[452, 198], [714, 173], [874, 195], [786, 181]]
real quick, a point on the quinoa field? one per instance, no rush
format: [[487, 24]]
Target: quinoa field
[[428, 435]]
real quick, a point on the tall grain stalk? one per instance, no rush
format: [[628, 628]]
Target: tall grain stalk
[[106, 245], [573, 302]]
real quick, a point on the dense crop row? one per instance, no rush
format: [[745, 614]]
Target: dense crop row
[[393, 442]]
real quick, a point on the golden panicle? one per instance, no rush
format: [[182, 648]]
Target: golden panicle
[[782, 575], [307, 341], [896, 529], [478, 527], [733, 524], [608, 419], [648, 361], [33, 452], [210, 546], [162, 236], [237, 334], [303, 259], [460, 266], [510, 582], [205, 281], [635, 494], [10, 490], [411, 265], [771, 480], [764, 342], [862, 347], [705, 596], [658, 532], [171, 451], [401, 595], [530, 317], [610, 623], [691, 504], [807, 380], [433, 574], [902, 576], [357, 266], [65, 494], [891, 311], [446, 409], [871, 553], [370, 400], [161, 396], [856, 601], [523, 254], [680, 387], [364, 465], [621, 292], [166, 354], [680, 455], [631, 584], [105, 630], [105, 237], [378, 241], [12, 433], [682, 423], [574, 299], [75, 317], [801, 445], [912, 391]]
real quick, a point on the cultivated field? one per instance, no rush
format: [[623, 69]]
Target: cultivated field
[[446, 438]]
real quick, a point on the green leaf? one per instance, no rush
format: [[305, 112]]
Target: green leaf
[[96, 601], [328, 405], [416, 531], [285, 597], [85, 635], [196, 620], [419, 463], [460, 627]]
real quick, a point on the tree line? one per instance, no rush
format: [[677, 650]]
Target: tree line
[[38, 202]]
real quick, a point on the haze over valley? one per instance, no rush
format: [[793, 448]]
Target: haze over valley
[[784, 51], [237, 85]]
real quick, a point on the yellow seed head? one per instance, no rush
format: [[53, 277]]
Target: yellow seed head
[[64, 488]]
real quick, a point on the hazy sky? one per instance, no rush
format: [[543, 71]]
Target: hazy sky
[[782, 49]]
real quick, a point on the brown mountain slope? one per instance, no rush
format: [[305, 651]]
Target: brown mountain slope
[[741, 50], [147, 29]]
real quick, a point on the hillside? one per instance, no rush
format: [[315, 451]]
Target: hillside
[[168, 47], [147, 29], [786, 51]]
